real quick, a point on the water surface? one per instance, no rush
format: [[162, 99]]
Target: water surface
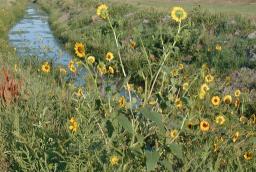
[[32, 36]]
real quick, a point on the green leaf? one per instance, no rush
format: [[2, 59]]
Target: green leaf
[[153, 116], [151, 159], [252, 140], [125, 123], [176, 149], [167, 165]]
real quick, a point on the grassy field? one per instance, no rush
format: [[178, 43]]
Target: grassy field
[[230, 7], [161, 94]]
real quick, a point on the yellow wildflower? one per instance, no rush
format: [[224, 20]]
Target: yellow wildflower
[[122, 102], [102, 11], [46, 67], [80, 50], [227, 99], [204, 126], [109, 56], [90, 60], [73, 124], [114, 160], [216, 100], [178, 14], [220, 120], [209, 78]]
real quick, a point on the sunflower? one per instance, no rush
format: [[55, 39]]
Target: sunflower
[[204, 126], [102, 11], [181, 66], [178, 14], [202, 94], [216, 100], [79, 92], [185, 86], [46, 67], [109, 56], [111, 70], [90, 60], [235, 136], [122, 102], [237, 93], [63, 71], [243, 119], [209, 78], [178, 103], [80, 50], [71, 66], [248, 155], [237, 102], [114, 160], [175, 72], [218, 47], [227, 99], [204, 88], [173, 133], [102, 69], [220, 120], [132, 44], [73, 124]]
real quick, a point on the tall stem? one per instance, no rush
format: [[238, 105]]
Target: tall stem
[[162, 64]]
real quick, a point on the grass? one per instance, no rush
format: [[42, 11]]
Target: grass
[[161, 116], [238, 7]]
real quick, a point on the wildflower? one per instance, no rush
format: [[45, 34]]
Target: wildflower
[[114, 160], [90, 60], [237, 102], [218, 47], [228, 99], [129, 87], [173, 133], [181, 66], [185, 86], [202, 94], [209, 78], [204, 88], [178, 103], [243, 119], [220, 120], [79, 92], [237, 93], [122, 102], [248, 155], [46, 67], [205, 66], [178, 14], [102, 68], [235, 136], [132, 44], [73, 124], [102, 11], [111, 70], [72, 68], [80, 50], [109, 56], [204, 126], [216, 100], [71, 63], [63, 71], [175, 72]]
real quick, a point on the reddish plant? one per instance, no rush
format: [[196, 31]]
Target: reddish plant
[[9, 87]]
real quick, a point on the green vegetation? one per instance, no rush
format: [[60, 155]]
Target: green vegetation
[[175, 99]]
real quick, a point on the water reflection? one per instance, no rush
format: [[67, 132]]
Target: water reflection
[[32, 36]]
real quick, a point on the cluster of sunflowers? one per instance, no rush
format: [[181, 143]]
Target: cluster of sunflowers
[[202, 94]]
